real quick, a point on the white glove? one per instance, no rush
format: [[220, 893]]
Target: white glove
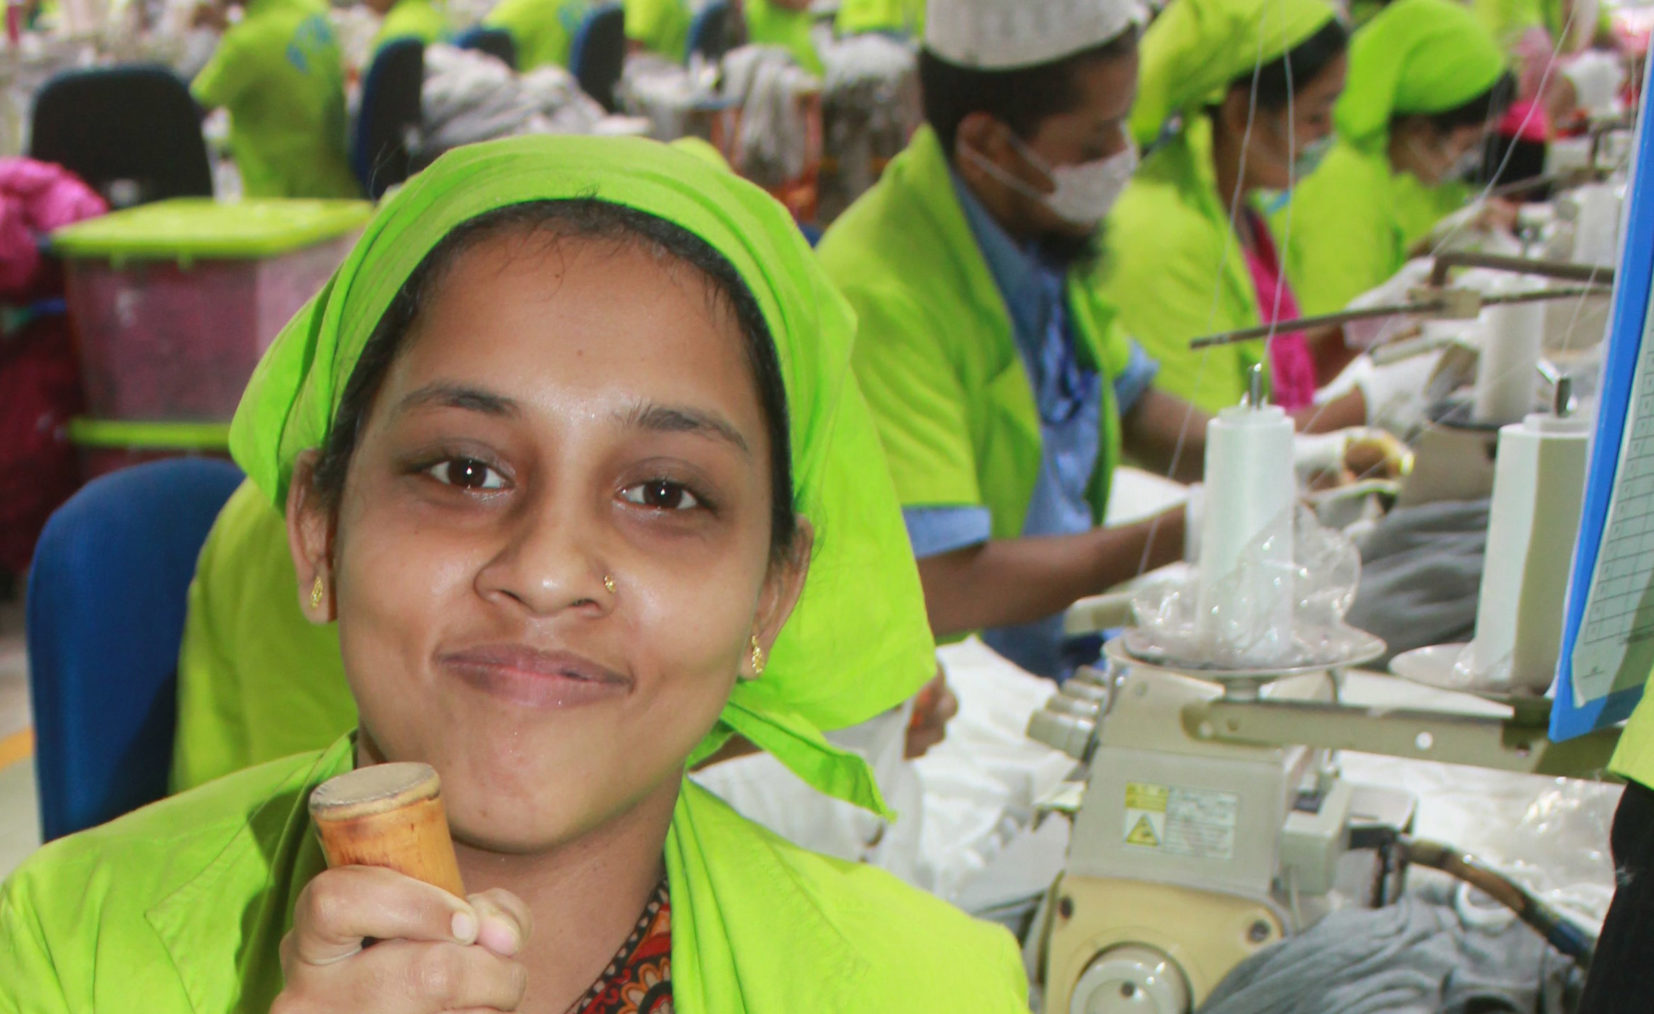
[[1396, 393], [1364, 334], [1597, 79]]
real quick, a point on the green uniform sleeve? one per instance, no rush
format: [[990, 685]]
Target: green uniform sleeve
[[29, 978], [918, 402], [226, 76]]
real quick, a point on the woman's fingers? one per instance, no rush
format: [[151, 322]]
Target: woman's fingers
[[407, 977], [342, 907], [503, 921], [423, 955]]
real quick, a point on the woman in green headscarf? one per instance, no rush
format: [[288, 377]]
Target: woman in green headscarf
[[562, 443], [1426, 83], [1240, 95]]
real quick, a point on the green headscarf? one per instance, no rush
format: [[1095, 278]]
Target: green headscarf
[[858, 642], [1193, 50], [1416, 56]]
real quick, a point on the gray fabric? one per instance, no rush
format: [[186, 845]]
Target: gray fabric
[[1413, 957], [1421, 569]]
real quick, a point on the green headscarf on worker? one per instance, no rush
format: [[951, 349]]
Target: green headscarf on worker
[[858, 643], [1196, 48], [256, 679], [1353, 221], [1172, 263], [1417, 57]]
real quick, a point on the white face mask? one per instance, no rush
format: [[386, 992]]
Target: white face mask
[[1083, 193]]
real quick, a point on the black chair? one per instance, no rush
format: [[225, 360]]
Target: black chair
[[386, 140], [496, 42], [709, 35], [132, 133], [598, 53]]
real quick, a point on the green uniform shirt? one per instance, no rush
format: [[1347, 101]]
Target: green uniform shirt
[[279, 75], [543, 30], [935, 352], [412, 19], [769, 24], [1175, 269], [906, 17], [180, 908], [1353, 223], [660, 26]]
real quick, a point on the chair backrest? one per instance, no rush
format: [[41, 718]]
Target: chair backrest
[[132, 133], [598, 53], [496, 42], [105, 618], [709, 32], [388, 121]]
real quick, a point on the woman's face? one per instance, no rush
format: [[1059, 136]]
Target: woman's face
[[563, 410], [1432, 155], [1280, 136]]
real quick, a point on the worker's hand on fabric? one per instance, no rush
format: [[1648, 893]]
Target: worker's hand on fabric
[[1365, 334], [933, 709], [1329, 460], [1398, 394], [368, 939]]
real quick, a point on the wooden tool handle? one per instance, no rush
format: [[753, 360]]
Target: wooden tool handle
[[388, 815]]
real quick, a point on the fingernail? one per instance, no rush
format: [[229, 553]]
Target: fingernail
[[500, 936], [465, 927]]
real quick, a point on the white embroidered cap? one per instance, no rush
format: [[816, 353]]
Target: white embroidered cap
[[1009, 34]]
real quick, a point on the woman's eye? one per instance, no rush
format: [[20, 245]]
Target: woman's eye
[[466, 473], [660, 494]]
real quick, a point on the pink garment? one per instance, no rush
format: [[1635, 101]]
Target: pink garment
[[1291, 364], [35, 198]]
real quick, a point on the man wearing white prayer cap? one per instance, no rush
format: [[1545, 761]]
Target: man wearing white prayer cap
[[1004, 390]]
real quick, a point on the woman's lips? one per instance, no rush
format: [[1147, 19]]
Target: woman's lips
[[540, 679]]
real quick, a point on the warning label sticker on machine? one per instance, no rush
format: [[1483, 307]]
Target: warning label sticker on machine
[[1199, 823]]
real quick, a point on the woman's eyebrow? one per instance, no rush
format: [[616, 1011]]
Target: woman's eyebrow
[[470, 399], [660, 418]]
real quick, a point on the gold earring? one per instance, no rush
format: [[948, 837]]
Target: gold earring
[[317, 592], [609, 583], [757, 658]]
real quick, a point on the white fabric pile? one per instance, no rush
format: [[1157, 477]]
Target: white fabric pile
[[470, 96]]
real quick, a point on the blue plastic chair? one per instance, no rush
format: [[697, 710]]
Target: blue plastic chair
[[598, 53], [709, 31], [496, 42], [105, 619], [389, 118]]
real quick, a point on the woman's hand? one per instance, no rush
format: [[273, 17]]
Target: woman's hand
[[368, 939], [933, 708]]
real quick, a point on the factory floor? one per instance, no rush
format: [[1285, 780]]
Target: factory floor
[[19, 812]]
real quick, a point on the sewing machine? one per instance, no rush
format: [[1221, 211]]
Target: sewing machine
[[1210, 819]]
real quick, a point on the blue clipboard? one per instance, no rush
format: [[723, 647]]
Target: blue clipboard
[[1571, 716]]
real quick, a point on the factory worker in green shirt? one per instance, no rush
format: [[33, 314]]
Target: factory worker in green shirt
[[784, 23], [542, 30], [279, 75], [1005, 390], [1237, 97], [898, 17], [659, 26], [1426, 83], [409, 19], [570, 452], [662, 27]]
